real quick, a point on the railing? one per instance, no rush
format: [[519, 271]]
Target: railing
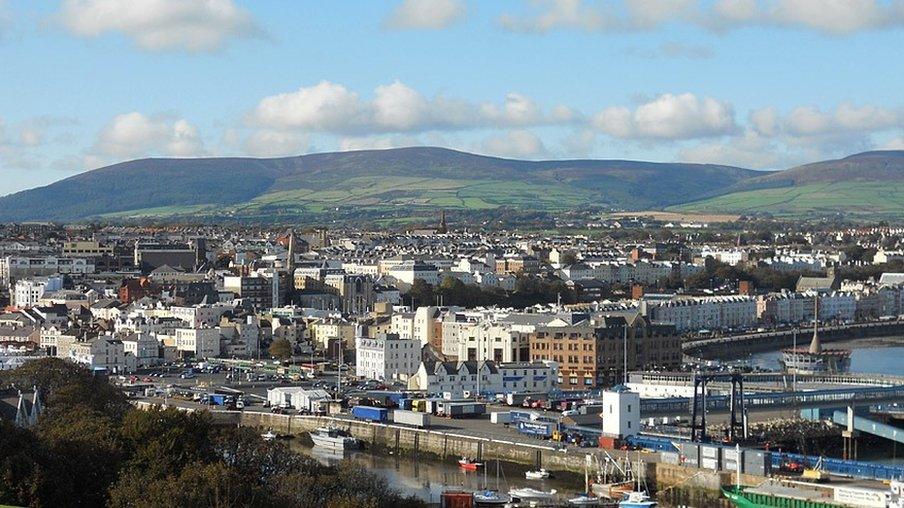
[[844, 396]]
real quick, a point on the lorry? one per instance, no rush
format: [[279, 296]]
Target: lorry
[[413, 418], [370, 414], [219, 399], [539, 429]]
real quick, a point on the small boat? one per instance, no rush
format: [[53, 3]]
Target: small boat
[[638, 499], [333, 439], [529, 493], [469, 465], [584, 500], [542, 474], [269, 435], [491, 498]]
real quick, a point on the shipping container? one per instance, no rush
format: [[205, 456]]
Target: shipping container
[[457, 500], [691, 454], [413, 418], [732, 454], [501, 417], [730, 465], [522, 415], [710, 452], [461, 409], [757, 462], [707, 463], [371, 414], [591, 409]]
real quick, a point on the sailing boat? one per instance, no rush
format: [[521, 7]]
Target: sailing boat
[[489, 497], [615, 480], [639, 498]]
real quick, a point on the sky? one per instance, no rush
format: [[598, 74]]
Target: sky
[[764, 84]]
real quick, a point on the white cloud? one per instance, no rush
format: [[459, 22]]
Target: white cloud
[[747, 150], [810, 121], [159, 25], [267, 143], [132, 135], [520, 144], [833, 17], [669, 117], [673, 50], [396, 107], [896, 143], [427, 14], [377, 142]]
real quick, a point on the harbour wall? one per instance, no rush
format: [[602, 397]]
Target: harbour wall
[[675, 483]]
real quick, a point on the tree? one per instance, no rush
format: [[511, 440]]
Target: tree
[[420, 293], [281, 349]]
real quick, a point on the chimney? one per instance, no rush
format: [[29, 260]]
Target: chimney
[[637, 291]]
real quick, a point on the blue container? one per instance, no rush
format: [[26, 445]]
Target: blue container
[[370, 414]]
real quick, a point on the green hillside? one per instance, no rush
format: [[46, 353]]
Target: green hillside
[[372, 181], [870, 183]]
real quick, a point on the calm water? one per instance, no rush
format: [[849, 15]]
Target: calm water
[[872, 360], [428, 478]]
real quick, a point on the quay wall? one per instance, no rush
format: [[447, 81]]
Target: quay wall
[[681, 483]]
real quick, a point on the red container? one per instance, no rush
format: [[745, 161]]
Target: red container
[[454, 499]]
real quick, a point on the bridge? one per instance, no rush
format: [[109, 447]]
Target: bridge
[[839, 397], [870, 426]]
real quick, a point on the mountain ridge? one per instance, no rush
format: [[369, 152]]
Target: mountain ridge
[[410, 178]]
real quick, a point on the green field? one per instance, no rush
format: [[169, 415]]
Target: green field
[[850, 197]]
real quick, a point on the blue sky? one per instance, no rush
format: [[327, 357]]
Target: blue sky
[[756, 83]]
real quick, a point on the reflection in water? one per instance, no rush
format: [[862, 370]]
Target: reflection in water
[[427, 478]]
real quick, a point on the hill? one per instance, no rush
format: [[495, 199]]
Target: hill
[[867, 183], [374, 180]]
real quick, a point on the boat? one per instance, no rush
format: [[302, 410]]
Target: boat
[[587, 500], [637, 499], [330, 438], [491, 498], [529, 493], [269, 435], [469, 465], [815, 359], [542, 474], [767, 495]]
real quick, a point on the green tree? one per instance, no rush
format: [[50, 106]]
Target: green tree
[[421, 293], [281, 349]]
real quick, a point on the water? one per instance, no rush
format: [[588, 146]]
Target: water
[[427, 478], [864, 360]]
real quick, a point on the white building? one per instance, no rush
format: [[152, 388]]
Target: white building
[[28, 292], [408, 271], [460, 379], [386, 357], [201, 342], [144, 347], [621, 413], [103, 352], [200, 315]]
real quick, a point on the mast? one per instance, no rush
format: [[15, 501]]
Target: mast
[[815, 345], [625, 348]]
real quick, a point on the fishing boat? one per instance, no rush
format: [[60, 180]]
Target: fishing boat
[[541, 474], [529, 493], [468, 464], [815, 359], [269, 435], [330, 438], [637, 499]]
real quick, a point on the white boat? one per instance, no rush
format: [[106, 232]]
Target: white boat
[[529, 493], [491, 497], [584, 500], [333, 439], [637, 499], [542, 474], [269, 435]]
